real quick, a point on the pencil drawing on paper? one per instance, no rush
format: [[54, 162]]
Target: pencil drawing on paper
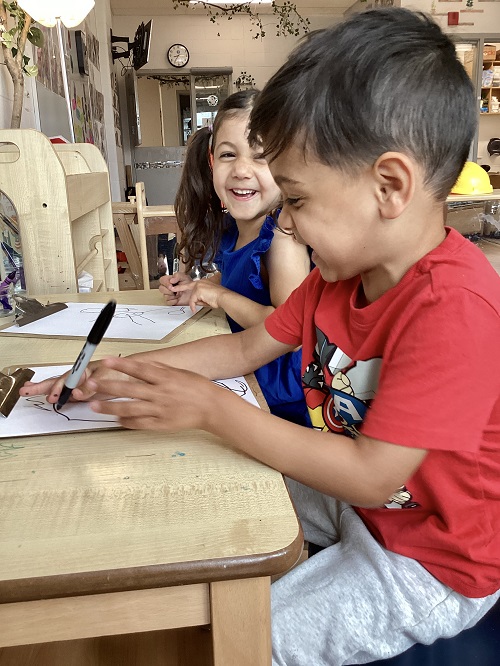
[[238, 386], [130, 322], [36, 416], [40, 403], [137, 315]]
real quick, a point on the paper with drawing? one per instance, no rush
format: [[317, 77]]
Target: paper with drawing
[[130, 322], [35, 416]]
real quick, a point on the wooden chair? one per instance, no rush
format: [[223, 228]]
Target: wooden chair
[[138, 226], [151, 222]]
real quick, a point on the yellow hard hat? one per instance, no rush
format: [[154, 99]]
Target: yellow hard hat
[[473, 179]]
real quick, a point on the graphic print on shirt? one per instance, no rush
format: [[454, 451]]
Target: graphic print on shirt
[[339, 390], [338, 394]]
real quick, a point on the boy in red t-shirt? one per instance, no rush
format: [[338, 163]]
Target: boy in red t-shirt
[[366, 128]]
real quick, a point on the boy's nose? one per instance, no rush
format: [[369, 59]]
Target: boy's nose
[[287, 226], [285, 222]]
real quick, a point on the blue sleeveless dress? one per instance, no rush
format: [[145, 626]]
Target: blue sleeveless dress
[[280, 380]]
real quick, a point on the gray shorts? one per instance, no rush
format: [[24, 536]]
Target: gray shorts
[[356, 602]]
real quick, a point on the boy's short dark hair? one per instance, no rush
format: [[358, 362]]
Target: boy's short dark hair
[[383, 80]]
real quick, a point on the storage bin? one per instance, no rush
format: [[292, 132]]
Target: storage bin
[[489, 52]]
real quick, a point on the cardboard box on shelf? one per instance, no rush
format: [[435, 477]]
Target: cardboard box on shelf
[[489, 52], [494, 180]]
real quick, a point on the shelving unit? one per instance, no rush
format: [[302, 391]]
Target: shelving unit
[[63, 202], [487, 92]]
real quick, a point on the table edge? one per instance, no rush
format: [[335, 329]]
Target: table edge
[[153, 576]]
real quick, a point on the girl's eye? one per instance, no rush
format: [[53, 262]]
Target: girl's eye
[[225, 155], [259, 156], [292, 202]]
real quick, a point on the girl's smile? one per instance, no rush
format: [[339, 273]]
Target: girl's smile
[[241, 175]]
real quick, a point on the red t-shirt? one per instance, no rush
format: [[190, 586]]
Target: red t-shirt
[[419, 367]]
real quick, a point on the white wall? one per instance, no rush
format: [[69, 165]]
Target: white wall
[[227, 44], [482, 17]]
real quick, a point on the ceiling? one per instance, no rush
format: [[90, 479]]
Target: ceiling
[[163, 7]]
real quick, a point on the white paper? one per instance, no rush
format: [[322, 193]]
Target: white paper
[[85, 282], [35, 416], [239, 385], [130, 322]]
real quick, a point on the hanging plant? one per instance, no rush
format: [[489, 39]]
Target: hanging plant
[[13, 42], [170, 81], [244, 81], [288, 20]]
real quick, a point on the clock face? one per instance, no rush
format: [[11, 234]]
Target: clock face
[[178, 55]]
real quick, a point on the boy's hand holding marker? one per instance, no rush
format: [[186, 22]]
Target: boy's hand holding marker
[[53, 387], [161, 395]]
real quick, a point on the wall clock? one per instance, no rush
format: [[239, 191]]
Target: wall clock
[[178, 55]]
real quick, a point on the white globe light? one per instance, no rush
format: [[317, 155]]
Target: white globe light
[[47, 12]]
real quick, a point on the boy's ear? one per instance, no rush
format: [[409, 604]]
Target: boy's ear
[[395, 183]]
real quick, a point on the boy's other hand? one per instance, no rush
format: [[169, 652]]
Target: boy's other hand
[[162, 397], [176, 288]]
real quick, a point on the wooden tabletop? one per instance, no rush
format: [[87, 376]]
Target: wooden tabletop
[[122, 510]]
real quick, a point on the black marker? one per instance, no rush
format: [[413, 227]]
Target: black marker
[[94, 338]]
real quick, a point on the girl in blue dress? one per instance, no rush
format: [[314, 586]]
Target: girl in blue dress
[[223, 207]]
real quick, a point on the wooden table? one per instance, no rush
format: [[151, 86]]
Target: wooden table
[[111, 533]]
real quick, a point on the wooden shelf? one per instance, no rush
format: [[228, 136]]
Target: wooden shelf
[[62, 198], [86, 191], [493, 196], [487, 92]]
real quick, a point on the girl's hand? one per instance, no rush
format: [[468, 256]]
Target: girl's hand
[[163, 398], [176, 288], [207, 293], [53, 386]]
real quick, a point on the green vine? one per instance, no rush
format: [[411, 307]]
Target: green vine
[[14, 38], [13, 42], [170, 81], [244, 80], [288, 20]]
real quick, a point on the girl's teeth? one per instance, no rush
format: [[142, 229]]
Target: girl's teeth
[[243, 191]]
